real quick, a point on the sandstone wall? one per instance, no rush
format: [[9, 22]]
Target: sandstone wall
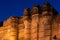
[[27, 33], [9, 29], [36, 24], [21, 28], [34, 27]]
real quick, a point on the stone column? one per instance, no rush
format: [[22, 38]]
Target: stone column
[[41, 29], [34, 27], [45, 28], [21, 28], [12, 34], [55, 28], [14, 28], [21, 32], [58, 35], [27, 28], [11, 25]]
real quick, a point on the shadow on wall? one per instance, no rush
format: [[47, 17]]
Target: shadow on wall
[[1, 24]]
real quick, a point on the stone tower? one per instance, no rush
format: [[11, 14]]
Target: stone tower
[[38, 23]]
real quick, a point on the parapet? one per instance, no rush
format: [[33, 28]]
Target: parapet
[[35, 9], [26, 11], [48, 9], [10, 20]]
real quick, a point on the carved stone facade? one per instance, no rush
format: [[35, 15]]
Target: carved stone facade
[[39, 23]]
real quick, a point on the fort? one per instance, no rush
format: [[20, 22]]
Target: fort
[[38, 23]]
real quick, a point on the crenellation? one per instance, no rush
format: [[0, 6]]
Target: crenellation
[[21, 27], [35, 10], [27, 12], [10, 21]]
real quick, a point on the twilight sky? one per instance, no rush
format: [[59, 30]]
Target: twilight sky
[[15, 7]]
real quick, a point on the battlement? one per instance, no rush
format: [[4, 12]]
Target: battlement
[[11, 20], [36, 9], [45, 9]]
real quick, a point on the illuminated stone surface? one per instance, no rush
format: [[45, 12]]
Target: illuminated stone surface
[[39, 23]]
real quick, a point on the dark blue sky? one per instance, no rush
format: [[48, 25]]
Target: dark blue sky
[[15, 7]]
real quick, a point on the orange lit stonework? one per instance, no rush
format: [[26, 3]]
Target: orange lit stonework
[[39, 23]]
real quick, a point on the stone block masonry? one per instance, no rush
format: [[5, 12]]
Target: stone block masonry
[[38, 23]]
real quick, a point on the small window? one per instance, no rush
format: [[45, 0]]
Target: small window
[[55, 38]]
